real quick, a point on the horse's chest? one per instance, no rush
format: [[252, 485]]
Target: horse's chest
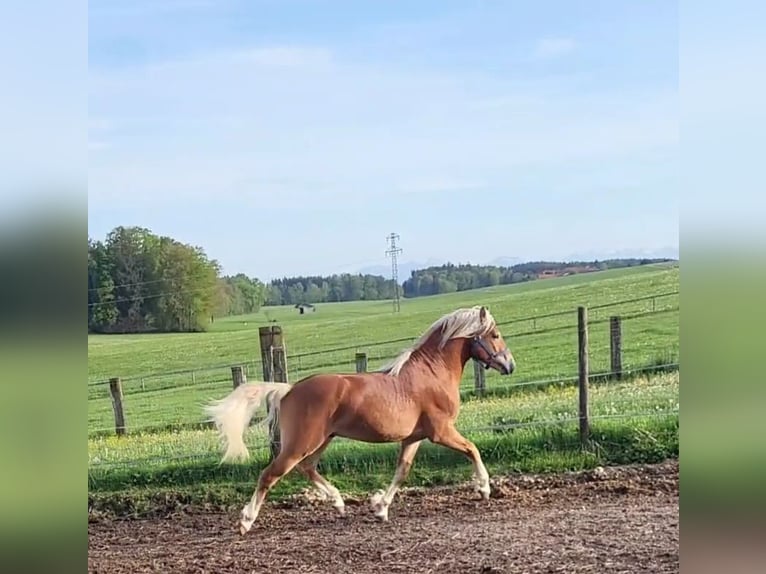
[[444, 404]]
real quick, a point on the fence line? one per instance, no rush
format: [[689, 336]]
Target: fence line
[[495, 389], [274, 363], [533, 318], [498, 428], [600, 306], [149, 376]]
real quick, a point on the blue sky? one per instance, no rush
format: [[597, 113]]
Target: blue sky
[[290, 137]]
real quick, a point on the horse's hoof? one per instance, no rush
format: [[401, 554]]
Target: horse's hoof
[[382, 515], [243, 529], [378, 506], [484, 492]]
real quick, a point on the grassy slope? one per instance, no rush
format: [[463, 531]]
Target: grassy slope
[[175, 398], [334, 325], [186, 461]]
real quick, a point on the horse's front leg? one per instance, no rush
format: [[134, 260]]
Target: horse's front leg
[[382, 500], [449, 436]]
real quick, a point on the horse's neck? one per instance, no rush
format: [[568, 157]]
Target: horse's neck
[[440, 366]]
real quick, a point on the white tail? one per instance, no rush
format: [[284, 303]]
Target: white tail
[[232, 414]]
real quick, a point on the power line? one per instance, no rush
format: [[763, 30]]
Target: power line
[[128, 284], [393, 251], [152, 296]]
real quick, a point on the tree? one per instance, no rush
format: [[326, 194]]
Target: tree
[[139, 281], [102, 310]]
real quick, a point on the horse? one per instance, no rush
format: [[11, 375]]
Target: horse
[[413, 398]]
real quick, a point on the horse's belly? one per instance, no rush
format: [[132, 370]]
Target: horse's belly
[[373, 421]]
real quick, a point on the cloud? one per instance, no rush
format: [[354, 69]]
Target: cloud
[[554, 47], [292, 123]]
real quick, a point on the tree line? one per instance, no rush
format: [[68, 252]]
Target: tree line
[[449, 278], [141, 282], [335, 288]]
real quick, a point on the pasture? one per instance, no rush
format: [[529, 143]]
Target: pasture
[[166, 377], [527, 422]]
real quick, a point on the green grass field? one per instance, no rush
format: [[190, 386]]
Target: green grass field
[[161, 389], [167, 378]]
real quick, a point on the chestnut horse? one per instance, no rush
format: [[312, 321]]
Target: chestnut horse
[[415, 397]]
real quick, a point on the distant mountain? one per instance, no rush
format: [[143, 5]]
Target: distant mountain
[[505, 261]]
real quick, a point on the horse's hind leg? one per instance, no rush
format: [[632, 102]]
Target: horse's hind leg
[[308, 466], [280, 466], [290, 456]]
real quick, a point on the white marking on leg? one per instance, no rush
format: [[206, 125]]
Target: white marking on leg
[[337, 499], [331, 492], [247, 517], [382, 500], [482, 479], [250, 513], [321, 491], [379, 505]]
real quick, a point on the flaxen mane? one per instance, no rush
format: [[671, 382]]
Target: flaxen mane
[[460, 323]]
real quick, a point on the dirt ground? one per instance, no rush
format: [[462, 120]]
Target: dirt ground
[[621, 519]]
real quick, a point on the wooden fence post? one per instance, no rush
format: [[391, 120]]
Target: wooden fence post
[[238, 376], [361, 362], [115, 388], [582, 339], [615, 346], [264, 334], [479, 382], [273, 355], [274, 361]]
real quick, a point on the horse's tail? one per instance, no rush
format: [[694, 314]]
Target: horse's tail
[[232, 414]]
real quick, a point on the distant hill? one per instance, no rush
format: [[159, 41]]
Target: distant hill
[[449, 278], [405, 268], [374, 283]]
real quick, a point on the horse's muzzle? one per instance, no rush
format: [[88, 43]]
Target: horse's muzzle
[[506, 363], [507, 367]]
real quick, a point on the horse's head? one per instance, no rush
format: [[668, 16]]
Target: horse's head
[[490, 348]]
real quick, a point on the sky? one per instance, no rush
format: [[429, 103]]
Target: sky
[[290, 137]]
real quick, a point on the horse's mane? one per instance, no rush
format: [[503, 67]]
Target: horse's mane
[[460, 323]]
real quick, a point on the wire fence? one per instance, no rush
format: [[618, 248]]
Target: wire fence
[[163, 412], [331, 356], [545, 355]]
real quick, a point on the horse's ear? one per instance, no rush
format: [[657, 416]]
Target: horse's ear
[[483, 314]]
